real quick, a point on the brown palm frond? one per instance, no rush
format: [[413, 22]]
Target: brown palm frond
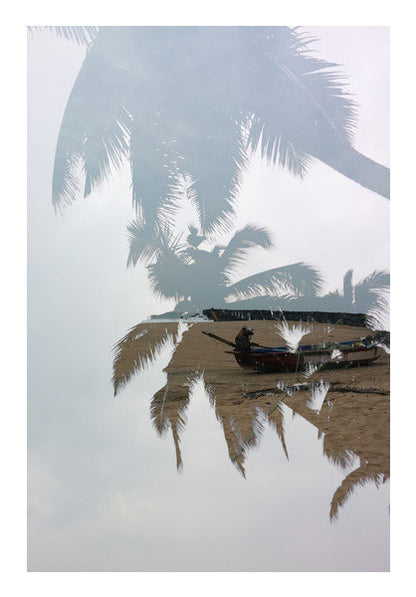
[[138, 348], [359, 477], [168, 410], [276, 421]]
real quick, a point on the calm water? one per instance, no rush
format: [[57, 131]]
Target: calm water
[[104, 492]]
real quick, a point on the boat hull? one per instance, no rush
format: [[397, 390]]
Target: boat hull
[[287, 362]]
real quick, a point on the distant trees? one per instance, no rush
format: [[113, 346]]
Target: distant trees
[[178, 268], [369, 294]]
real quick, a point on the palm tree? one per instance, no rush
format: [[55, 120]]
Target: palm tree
[[180, 269], [365, 434], [139, 348], [197, 100], [369, 295], [361, 297]]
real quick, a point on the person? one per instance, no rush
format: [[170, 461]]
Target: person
[[242, 340]]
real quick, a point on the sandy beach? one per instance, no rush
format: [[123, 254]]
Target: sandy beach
[[354, 418]]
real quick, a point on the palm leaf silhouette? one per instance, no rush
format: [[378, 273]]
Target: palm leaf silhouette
[[369, 291], [275, 417], [95, 128], [235, 252], [298, 278], [137, 349], [168, 409], [79, 35], [359, 477], [181, 100]]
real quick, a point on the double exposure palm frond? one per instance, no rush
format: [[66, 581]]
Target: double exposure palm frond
[[81, 35], [197, 101], [185, 268]]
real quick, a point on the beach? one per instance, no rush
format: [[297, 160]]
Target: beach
[[353, 414]]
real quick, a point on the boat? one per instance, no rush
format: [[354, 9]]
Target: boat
[[362, 351]]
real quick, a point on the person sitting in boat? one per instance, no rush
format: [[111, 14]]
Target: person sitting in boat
[[242, 340]]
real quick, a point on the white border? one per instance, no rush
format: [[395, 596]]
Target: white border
[[13, 310]]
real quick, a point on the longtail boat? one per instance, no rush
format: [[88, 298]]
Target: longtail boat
[[362, 351]]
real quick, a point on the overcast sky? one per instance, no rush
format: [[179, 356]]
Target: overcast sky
[[100, 478]]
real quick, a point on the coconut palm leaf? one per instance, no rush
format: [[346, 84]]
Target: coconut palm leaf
[[338, 455], [378, 279], [213, 152], [357, 478], [95, 128], [158, 411], [190, 103], [377, 315], [105, 151], [153, 169], [147, 241], [243, 240], [79, 35], [369, 291], [168, 409], [276, 418], [137, 349], [144, 242], [243, 436], [299, 90], [171, 275], [304, 112], [298, 278]]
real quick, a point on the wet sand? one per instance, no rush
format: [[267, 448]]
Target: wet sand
[[353, 423]]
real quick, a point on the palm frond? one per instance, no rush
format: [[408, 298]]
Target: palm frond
[[356, 478], [378, 313], [303, 103], [276, 421], [147, 241], [158, 410], [243, 435], [298, 279], [138, 348], [378, 279], [95, 127], [278, 148], [105, 150], [371, 291], [81, 35], [153, 169], [243, 240], [170, 275], [213, 152], [168, 410]]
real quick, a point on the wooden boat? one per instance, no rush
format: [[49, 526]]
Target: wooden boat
[[362, 351]]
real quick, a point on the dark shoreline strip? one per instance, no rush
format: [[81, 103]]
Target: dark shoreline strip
[[352, 319]]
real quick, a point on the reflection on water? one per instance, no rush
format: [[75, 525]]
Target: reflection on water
[[351, 431]]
